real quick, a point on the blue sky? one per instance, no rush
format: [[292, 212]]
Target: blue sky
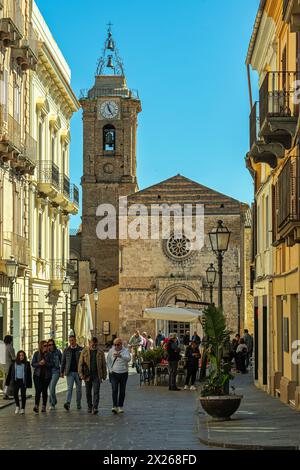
[[187, 59]]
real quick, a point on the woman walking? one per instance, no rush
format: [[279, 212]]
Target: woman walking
[[192, 355], [56, 356], [19, 375], [42, 365]]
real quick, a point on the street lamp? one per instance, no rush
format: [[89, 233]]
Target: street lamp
[[96, 298], [219, 240], [238, 291], [12, 273], [211, 275], [66, 287]]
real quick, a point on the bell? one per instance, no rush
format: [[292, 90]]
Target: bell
[[110, 64], [110, 44], [109, 138]]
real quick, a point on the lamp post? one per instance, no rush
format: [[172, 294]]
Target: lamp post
[[238, 291], [96, 298], [219, 240], [12, 273], [66, 287], [211, 275]]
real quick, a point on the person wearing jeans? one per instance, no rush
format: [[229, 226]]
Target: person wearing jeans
[[192, 355], [19, 375], [69, 367], [56, 357], [92, 369], [42, 365], [118, 360]]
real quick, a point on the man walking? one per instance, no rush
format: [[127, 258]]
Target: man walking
[[92, 369], [69, 367], [173, 351], [118, 359], [159, 338]]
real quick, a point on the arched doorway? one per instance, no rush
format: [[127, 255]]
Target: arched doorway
[[167, 297]]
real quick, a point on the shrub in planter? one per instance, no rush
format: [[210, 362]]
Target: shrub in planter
[[217, 384]]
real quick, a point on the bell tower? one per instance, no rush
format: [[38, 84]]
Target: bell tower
[[110, 111]]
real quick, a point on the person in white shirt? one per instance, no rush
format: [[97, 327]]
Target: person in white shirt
[[118, 360]]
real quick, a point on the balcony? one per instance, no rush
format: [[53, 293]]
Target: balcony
[[278, 108], [15, 246], [48, 178], [65, 186], [291, 14], [10, 144], [287, 204], [260, 151], [11, 24], [75, 195], [26, 54]]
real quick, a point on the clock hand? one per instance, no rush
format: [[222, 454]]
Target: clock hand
[[109, 109]]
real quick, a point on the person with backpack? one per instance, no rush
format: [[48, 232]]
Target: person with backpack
[[19, 375]]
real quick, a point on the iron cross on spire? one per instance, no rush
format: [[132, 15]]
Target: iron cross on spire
[[109, 26]]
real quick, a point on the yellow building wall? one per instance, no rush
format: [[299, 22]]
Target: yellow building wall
[[107, 311]]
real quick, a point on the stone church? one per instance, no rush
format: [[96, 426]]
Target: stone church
[[134, 274]]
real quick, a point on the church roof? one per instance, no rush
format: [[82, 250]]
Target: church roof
[[182, 190]]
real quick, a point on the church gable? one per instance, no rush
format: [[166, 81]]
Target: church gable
[[182, 190]]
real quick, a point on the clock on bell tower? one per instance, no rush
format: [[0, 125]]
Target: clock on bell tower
[[110, 112]]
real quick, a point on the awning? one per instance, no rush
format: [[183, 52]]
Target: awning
[[185, 315]]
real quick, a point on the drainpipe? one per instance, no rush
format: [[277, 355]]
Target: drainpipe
[[249, 86]]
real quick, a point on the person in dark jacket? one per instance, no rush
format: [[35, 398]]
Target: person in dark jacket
[[196, 338], [159, 338], [173, 354], [186, 339], [42, 365], [193, 355], [56, 358], [69, 367], [19, 375]]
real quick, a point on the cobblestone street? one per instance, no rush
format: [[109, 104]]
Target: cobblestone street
[[154, 418]]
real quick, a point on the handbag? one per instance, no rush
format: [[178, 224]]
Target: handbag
[[85, 372]]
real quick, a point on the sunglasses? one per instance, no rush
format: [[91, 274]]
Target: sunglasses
[[118, 344]]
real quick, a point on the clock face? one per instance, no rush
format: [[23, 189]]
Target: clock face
[[109, 109]]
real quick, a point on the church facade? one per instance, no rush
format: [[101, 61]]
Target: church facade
[[143, 272]]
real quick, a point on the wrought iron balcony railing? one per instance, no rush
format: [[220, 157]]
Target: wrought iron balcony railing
[[287, 192], [11, 132], [278, 96], [12, 22], [48, 172], [95, 93], [254, 125], [58, 269], [16, 246], [65, 185], [30, 149], [75, 194]]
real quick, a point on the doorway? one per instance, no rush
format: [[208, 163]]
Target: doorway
[[179, 328]]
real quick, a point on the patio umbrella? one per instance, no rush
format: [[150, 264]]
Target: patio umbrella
[[79, 324], [88, 320], [184, 315]]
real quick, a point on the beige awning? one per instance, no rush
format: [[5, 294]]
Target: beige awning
[[185, 315]]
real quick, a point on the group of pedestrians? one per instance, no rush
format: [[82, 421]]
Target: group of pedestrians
[[138, 343], [77, 364], [242, 350]]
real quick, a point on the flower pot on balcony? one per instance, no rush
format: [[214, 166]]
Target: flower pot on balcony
[[221, 408]]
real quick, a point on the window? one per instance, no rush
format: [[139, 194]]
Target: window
[[40, 235], [267, 223], [40, 326], [17, 103], [109, 138], [3, 94], [40, 137]]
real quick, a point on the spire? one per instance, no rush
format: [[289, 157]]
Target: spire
[[110, 62]]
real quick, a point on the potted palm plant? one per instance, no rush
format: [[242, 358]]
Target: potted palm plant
[[214, 396]]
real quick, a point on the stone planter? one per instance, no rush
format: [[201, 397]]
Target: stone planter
[[220, 408]]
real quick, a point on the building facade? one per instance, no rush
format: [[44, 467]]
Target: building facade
[[37, 199], [274, 53], [135, 274]]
